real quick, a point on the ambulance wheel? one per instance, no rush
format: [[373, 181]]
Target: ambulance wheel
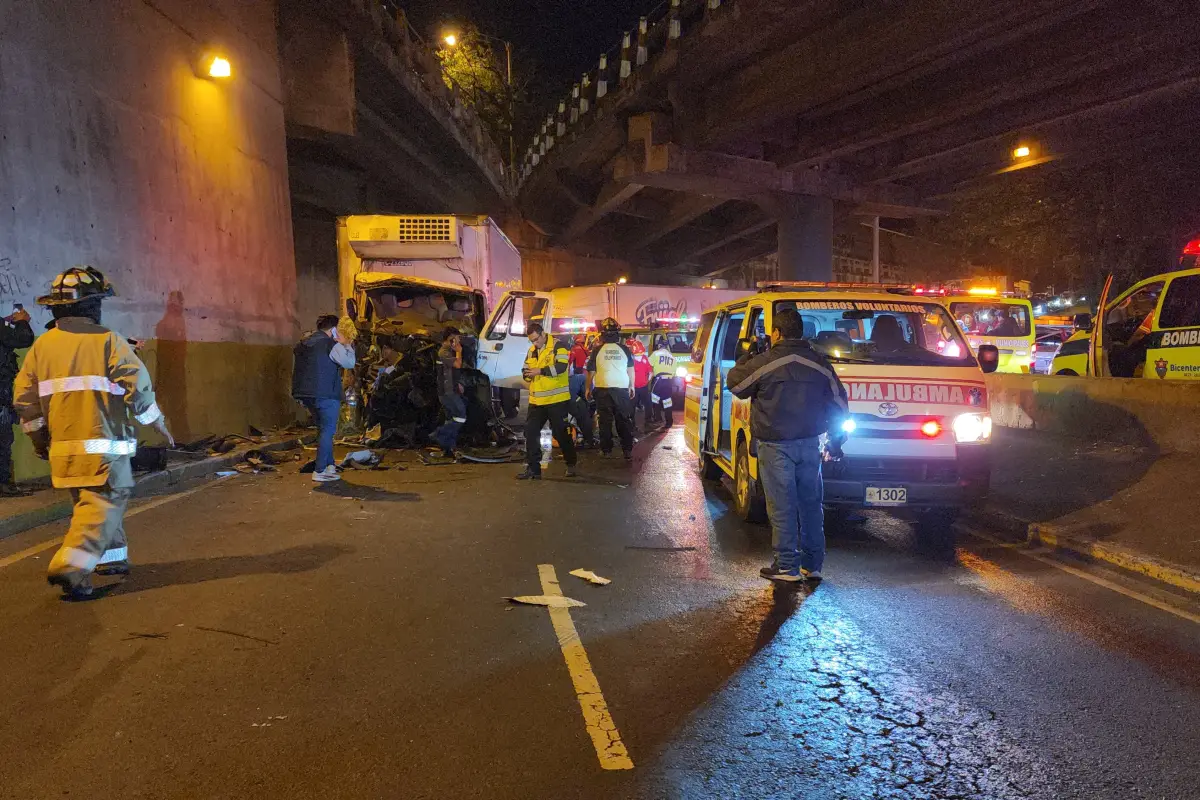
[[748, 500], [510, 402], [1069, 372], [709, 470]]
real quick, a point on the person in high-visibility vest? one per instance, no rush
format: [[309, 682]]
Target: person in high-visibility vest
[[78, 394], [546, 371], [662, 385]]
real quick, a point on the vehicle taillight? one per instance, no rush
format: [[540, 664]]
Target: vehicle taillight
[[931, 428]]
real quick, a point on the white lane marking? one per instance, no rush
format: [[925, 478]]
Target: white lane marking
[[1078, 573], [155, 503], [599, 723]]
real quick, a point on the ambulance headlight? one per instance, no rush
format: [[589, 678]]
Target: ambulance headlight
[[848, 426], [681, 372], [972, 428]]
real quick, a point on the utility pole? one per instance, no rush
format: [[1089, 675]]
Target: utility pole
[[875, 249], [512, 117]]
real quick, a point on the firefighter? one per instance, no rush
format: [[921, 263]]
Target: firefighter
[[583, 409], [662, 385], [546, 371], [78, 395], [611, 378]]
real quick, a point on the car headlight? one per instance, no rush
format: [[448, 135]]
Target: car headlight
[[681, 372], [969, 428], [848, 426]]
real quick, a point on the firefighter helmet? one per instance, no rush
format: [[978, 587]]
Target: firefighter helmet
[[635, 347], [609, 325], [77, 284]]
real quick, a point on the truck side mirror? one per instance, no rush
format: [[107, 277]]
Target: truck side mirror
[[352, 308], [1082, 322], [989, 357]]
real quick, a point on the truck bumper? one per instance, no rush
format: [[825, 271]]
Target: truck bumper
[[931, 484]]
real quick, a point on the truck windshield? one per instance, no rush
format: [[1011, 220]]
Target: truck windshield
[[991, 318], [881, 332]]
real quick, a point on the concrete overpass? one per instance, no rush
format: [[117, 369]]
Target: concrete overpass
[[725, 129]]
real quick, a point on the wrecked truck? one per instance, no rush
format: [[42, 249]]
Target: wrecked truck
[[405, 316]]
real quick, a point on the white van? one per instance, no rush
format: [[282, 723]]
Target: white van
[[919, 429]]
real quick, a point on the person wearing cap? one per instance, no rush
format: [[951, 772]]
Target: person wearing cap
[[662, 384], [15, 334], [80, 394]]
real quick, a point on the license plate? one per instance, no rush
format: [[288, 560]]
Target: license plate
[[886, 496]]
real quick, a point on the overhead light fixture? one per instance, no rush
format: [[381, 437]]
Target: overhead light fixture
[[215, 65], [450, 39], [622, 280], [1022, 151]]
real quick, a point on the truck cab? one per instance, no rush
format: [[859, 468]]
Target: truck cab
[[919, 429]]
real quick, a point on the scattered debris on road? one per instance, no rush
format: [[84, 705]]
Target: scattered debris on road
[[550, 601], [590, 577]]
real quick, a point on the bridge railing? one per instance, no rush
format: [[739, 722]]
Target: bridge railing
[[419, 62], [617, 74]]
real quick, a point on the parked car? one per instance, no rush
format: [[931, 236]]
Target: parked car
[[1046, 347]]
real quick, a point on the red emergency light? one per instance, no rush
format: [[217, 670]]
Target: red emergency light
[[1192, 248]]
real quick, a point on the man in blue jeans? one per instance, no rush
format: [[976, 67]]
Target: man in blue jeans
[[450, 391], [795, 397], [319, 359]]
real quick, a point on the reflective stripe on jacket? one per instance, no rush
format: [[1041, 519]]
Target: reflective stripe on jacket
[[84, 385], [794, 392], [552, 384]]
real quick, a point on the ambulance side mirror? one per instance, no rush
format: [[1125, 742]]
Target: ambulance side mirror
[[989, 357], [1082, 322]]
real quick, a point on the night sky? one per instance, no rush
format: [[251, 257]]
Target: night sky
[[562, 37]]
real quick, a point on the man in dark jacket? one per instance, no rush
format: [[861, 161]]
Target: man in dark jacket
[[317, 383], [795, 397], [15, 334]]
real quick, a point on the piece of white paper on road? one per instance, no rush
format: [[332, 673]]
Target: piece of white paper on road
[[552, 601], [590, 577]]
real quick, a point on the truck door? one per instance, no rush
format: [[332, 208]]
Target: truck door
[[724, 355], [503, 345]]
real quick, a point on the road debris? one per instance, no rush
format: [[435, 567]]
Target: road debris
[[590, 577], [362, 459], [550, 601]]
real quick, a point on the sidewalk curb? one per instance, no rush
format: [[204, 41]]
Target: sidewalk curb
[[146, 484], [1060, 538], [998, 519]]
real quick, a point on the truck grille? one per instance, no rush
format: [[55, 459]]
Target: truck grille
[[899, 470]]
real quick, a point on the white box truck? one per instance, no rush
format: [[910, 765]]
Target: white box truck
[[470, 251], [577, 309]]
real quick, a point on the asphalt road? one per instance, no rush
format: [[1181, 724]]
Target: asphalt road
[[276, 642]]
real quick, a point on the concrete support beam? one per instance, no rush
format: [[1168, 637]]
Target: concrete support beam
[[318, 74], [805, 235], [683, 211]]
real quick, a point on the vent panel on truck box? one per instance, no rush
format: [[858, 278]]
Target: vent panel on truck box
[[425, 229]]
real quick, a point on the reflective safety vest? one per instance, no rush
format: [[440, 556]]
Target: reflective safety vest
[[662, 362], [84, 387], [552, 384]]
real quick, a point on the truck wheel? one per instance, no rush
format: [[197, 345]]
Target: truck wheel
[[748, 500], [1070, 372], [510, 402]]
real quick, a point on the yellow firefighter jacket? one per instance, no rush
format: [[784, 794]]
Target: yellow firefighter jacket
[[80, 389], [552, 382]]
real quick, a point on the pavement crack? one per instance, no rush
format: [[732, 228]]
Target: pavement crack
[[133, 635], [235, 633]]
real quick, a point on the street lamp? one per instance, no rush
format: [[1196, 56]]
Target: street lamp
[[451, 40], [214, 64], [1021, 151]]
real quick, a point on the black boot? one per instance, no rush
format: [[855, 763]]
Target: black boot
[[530, 474], [75, 585], [113, 568]]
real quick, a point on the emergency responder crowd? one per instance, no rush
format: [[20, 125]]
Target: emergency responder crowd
[[82, 389]]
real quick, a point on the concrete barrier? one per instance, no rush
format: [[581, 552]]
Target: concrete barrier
[[1165, 414]]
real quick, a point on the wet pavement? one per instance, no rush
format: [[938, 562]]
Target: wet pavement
[[276, 641]]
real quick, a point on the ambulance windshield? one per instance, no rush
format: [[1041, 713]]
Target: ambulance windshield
[[992, 318], [881, 332]]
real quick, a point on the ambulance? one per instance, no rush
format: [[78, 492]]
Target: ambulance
[[986, 317], [918, 430], [1151, 330]]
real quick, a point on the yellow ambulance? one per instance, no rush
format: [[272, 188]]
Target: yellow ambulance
[[986, 317], [919, 429], [1151, 330]]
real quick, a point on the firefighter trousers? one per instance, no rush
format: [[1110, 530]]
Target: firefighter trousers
[[97, 532]]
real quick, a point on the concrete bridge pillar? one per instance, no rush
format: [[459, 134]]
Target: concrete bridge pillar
[[805, 235]]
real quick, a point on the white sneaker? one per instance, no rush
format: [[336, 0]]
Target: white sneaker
[[330, 473]]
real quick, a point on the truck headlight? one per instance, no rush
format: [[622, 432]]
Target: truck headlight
[[969, 428], [681, 372]]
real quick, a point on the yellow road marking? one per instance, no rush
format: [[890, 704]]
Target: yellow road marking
[[155, 503], [599, 723], [1107, 584]]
